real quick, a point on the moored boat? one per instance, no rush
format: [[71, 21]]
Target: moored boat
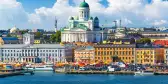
[[46, 67], [142, 73]]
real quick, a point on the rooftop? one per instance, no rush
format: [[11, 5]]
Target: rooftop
[[115, 46], [9, 38], [32, 46]]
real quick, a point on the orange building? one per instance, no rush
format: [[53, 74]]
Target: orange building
[[85, 55], [114, 53]]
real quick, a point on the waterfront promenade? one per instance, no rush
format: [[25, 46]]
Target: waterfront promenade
[[7, 74], [101, 72]]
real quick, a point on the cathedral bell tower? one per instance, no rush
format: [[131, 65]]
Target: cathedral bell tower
[[84, 11]]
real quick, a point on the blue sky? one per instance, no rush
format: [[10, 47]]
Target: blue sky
[[30, 5], [40, 13]]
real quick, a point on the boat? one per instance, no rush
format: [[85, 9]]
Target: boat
[[46, 67], [142, 73]]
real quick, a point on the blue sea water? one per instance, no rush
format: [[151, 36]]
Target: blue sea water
[[53, 78]]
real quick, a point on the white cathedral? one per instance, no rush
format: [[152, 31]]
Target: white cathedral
[[83, 28]]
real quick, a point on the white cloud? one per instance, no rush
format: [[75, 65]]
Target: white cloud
[[132, 12], [158, 23]]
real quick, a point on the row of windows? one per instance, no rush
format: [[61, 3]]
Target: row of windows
[[114, 53], [144, 56], [122, 58], [146, 52], [141, 61], [114, 48], [31, 54], [28, 50]]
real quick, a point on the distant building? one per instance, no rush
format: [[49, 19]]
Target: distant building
[[14, 30], [35, 53], [38, 30], [154, 34], [9, 40], [28, 38], [37, 41], [120, 33]]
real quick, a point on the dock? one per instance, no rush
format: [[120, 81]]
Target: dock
[[7, 74], [101, 72], [160, 73]]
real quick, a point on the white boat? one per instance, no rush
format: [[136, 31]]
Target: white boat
[[47, 67], [142, 73]]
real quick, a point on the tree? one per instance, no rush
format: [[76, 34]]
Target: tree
[[9, 35], [58, 36], [52, 38], [144, 41], [38, 35]]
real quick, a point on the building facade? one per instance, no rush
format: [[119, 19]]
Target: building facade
[[114, 53], [84, 55], [83, 28], [166, 55], [34, 53], [149, 55]]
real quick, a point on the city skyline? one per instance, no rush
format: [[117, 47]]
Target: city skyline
[[41, 14]]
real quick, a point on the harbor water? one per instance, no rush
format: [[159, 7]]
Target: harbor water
[[54, 78]]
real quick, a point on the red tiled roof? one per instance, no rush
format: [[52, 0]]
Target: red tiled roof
[[161, 42]]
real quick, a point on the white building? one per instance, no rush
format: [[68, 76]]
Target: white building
[[35, 53], [83, 28], [28, 38]]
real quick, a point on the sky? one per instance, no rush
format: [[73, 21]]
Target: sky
[[40, 14]]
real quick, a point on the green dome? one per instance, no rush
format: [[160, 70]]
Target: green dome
[[96, 18], [71, 18], [84, 5], [91, 18]]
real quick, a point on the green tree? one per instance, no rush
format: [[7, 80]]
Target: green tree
[[9, 35], [144, 41], [38, 35], [53, 37], [56, 37]]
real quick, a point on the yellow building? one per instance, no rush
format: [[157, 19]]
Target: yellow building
[[118, 41], [114, 53], [37, 41], [149, 55], [1, 41]]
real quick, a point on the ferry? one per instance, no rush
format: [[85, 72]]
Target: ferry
[[46, 67]]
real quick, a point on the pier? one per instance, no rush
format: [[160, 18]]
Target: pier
[[7, 74], [160, 73], [101, 72]]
